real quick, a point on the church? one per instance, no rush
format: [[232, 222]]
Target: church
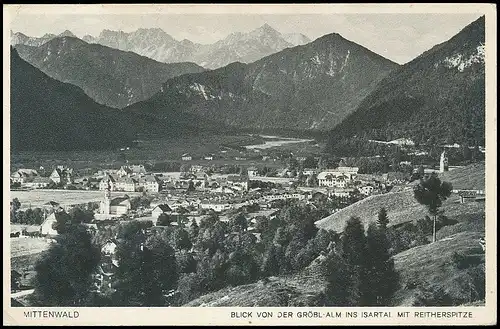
[[116, 207]]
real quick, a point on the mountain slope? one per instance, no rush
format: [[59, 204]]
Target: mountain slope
[[46, 114], [296, 39], [437, 97], [306, 87], [236, 47], [242, 47], [19, 38], [111, 77]]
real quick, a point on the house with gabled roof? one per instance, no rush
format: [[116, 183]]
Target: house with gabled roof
[[38, 182], [252, 171], [22, 175], [186, 157], [124, 171], [120, 205], [161, 209], [126, 183], [107, 182], [149, 183], [62, 174]]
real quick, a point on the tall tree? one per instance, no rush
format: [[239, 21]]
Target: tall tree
[[194, 229], [353, 245], [381, 280], [64, 273], [239, 223], [382, 220], [15, 205], [431, 192], [336, 272]]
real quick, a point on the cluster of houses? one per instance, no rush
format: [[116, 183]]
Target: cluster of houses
[[32, 179], [196, 192]]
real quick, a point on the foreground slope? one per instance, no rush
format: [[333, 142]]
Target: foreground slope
[[46, 114], [109, 76], [424, 270], [437, 97], [431, 266], [309, 87]]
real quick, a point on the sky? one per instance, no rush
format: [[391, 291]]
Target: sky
[[398, 37]]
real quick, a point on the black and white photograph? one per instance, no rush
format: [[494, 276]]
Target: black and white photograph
[[248, 159]]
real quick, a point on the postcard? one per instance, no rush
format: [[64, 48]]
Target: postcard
[[239, 164]]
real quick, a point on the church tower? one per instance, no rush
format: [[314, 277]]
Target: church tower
[[443, 164], [105, 204]]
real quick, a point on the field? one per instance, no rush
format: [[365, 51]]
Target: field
[[27, 246], [146, 150], [37, 198], [164, 150]]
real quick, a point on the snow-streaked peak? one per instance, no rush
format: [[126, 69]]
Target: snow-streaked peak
[[296, 39], [461, 61]]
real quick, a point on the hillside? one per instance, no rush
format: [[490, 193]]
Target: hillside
[[432, 264], [109, 76], [309, 87], [302, 289], [471, 177], [46, 114], [401, 206], [422, 269], [439, 97]]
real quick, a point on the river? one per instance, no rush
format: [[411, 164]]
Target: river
[[277, 141]]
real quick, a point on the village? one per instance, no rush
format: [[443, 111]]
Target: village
[[182, 198], [199, 189]]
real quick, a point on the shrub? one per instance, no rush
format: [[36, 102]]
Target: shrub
[[462, 261], [430, 295]]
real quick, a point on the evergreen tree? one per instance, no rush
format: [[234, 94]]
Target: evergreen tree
[[335, 271], [381, 280], [271, 262], [182, 240], [382, 220], [194, 229], [354, 252], [15, 205]]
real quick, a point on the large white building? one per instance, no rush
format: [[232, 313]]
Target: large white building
[[339, 178]]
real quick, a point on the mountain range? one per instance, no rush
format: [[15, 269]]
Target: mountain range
[[46, 114], [309, 87], [158, 45], [19, 38], [109, 76], [330, 85], [437, 97]]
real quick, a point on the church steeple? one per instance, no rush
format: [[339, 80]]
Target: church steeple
[[105, 203], [443, 163]]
